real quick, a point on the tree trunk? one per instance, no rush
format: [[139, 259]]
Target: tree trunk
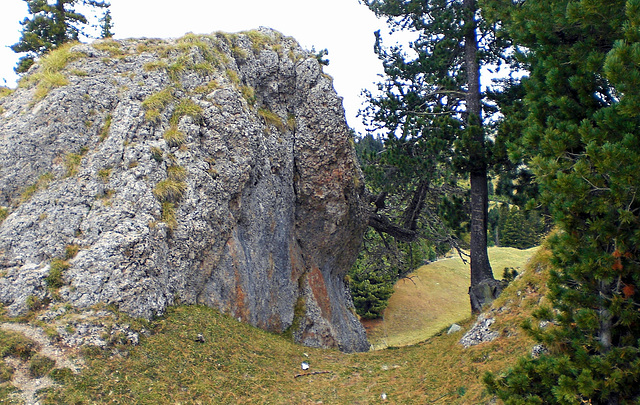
[[484, 288]]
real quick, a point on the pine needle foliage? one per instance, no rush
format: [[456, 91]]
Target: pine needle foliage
[[50, 25], [581, 136]]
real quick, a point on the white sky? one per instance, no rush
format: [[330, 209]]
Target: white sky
[[344, 27]]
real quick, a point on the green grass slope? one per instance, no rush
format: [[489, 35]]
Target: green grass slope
[[433, 297], [239, 364]]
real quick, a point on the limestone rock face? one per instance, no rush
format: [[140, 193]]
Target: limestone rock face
[[212, 169]]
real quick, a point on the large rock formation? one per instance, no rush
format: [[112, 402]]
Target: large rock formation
[[213, 169]]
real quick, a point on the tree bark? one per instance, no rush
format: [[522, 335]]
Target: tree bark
[[481, 273]]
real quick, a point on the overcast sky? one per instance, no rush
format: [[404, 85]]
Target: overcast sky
[[344, 27]]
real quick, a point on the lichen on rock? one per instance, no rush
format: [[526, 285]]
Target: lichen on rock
[[210, 169]]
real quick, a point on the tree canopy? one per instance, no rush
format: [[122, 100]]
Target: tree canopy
[[581, 138], [51, 25]]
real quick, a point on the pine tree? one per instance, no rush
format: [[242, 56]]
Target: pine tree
[[582, 136], [106, 27], [49, 26], [432, 110]]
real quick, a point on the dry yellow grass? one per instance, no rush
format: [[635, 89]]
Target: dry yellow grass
[[433, 297], [239, 364]]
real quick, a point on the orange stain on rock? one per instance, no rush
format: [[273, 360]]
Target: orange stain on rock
[[319, 290]]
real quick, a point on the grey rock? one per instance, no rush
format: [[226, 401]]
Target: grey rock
[[454, 328], [257, 208], [480, 332], [538, 350]]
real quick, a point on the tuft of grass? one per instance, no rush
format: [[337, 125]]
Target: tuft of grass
[[104, 174], [177, 68], [177, 173], [104, 131], [70, 251], [56, 268], [16, 344], [156, 103], [4, 213], [249, 94], [271, 118], [174, 137], [50, 75], [169, 190], [72, 164], [40, 365], [207, 88], [186, 107], [6, 373], [203, 68], [259, 40], [114, 48], [5, 91], [156, 153], [233, 76], [155, 65], [41, 184], [48, 82], [168, 215], [291, 122], [35, 303]]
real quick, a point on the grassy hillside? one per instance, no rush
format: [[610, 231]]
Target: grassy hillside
[[237, 363], [434, 297]]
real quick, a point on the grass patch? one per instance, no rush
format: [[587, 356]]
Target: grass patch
[[233, 76], [40, 365], [174, 137], [72, 164], [104, 174], [249, 94], [56, 269], [156, 103], [4, 213], [155, 65], [168, 215], [113, 48], [169, 190], [271, 118], [50, 75], [291, 122], [16, 344], [70, 251], [5, 91], [6, 373], [176, 69], [49, 81], [177, 173], [237, 363], [207, 88], [433, 297], [259, 40], [41, 184], [156, 154], [104, 131], [186, 107]]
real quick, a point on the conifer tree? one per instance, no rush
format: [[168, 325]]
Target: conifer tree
[[431, 108], [49, 26], [582, 136]]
